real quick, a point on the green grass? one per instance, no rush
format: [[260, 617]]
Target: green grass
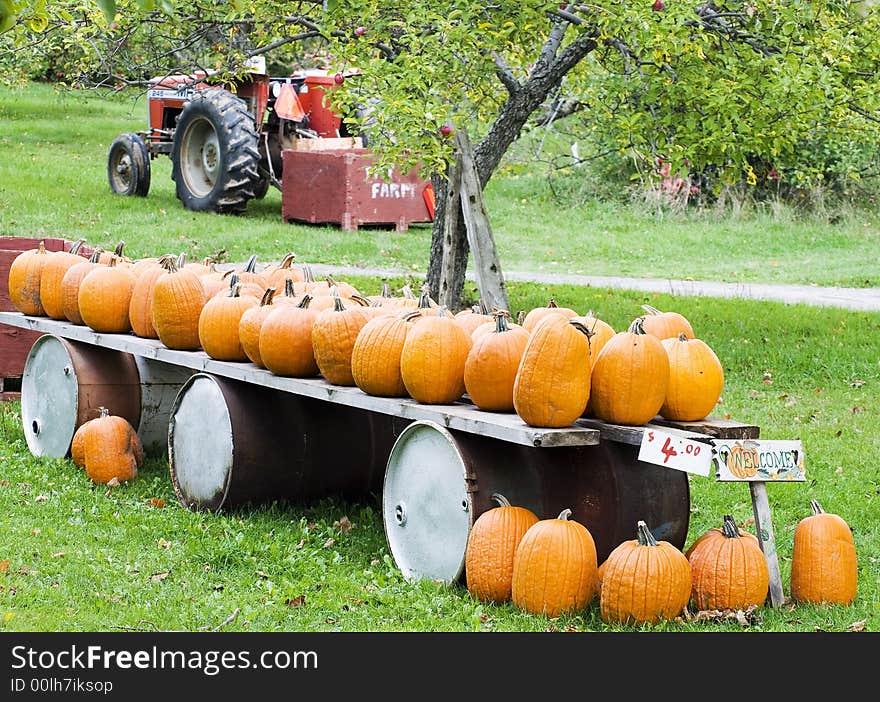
[[83, 558], [54, 148]]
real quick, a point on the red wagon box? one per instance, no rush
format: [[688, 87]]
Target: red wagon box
[[334, 187]]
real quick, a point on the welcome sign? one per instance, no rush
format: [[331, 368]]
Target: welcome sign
[[756, 460]]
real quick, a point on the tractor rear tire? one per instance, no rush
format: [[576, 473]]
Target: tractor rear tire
[[128, 166], [215, 153]]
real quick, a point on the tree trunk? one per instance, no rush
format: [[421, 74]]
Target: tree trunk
[[520, 105]]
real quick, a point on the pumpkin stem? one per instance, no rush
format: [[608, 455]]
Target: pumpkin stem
[[651, 310], [581, 327], [267, 297], [251, 264], [441, 312], [816, 507], [96, 254], [482, 307], [103, 412], [288, 288], [304, 303], [564, 514], [235, 290], [501, 324], [520, 317], [76, 246], [411, 316], [288, 259], [425, 297], [729, 528], [683, 337], [308, 276], [361, 300], [233, 280], [500, 499], [552, 302], [41, 248], [386, 289], [637, 326], [337, 301], [208, 261], [646, 538], [119, 247], [113, 259], [181, 260], [407, 293]]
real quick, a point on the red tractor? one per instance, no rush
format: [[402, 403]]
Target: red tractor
[[225, 143]]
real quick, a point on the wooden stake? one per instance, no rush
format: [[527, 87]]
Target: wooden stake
[[766, 538]]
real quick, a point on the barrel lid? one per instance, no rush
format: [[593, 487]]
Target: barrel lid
[[426, 507], [49, 398], [200, 444]]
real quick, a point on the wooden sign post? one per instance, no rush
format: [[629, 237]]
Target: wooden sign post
[[736, 460], [464, 191]]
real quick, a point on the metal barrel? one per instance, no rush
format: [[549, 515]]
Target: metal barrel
[[438, 482], [65, 382], [232, 443]]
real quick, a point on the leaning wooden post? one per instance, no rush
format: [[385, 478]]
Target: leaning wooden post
[[451, 236], [487, 266]]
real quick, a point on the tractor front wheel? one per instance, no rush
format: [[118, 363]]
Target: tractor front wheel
[[215, 156], [128, 166]]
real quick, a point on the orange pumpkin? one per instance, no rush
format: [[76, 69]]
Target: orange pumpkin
[[644, 581], [554, 567], [470, 319], [375, 356], [219, 324], [666, 325], [70, 286], [530, 321], [727, 570], [25, 273], [630, 377], [140, 309], [111, 449], [57, 264], [716, 531], [492, 364], [105, 297], [286, 340], [696, 378], [552, 383], [824, 566], [178, 299], [250, 324], [432, 359], [333, 336], [491, 546]]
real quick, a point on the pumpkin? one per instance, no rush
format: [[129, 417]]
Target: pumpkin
[[727, 570], [433, 357], [140, 309], [25, 273], [472, 318], [716, 531], [530, 321], [219, 323], [111, 449], [666, 325], [286, 340], [644, 581], [78, 444], [552, 384], [489, 327], [554, 567], [492, 363], [105, 297], [600, 333], [630, 377], [375, 356], [333, 336], [70, 286], [491, 546], [57, 264], [178, 299], [824, 567], [250, 324], [696, 378]]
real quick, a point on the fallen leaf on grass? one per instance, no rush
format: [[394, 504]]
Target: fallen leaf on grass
[[41, 498], [857, 383], [159, 577], [262, 574], [344, 525], [60, 554], [297, 601], [4, 567], [329, 542], [113, 482], [156, 502], [858, 626], [163, 544], [744, 618]]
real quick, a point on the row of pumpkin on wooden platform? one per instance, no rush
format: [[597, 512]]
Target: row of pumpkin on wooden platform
[[552, 366], [549, 567]]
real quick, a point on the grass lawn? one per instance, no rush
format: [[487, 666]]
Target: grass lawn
[[75, 556]]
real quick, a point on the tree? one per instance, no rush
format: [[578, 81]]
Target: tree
[[726, 85]]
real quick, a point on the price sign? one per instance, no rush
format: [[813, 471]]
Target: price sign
[[674, 451]]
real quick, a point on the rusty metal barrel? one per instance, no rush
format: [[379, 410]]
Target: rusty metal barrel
[[232, 443], [65, 382], [438, 482]]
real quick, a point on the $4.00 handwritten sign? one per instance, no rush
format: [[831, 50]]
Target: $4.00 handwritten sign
[[673, 451]]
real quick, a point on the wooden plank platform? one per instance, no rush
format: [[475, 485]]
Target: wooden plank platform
[[460, 416]]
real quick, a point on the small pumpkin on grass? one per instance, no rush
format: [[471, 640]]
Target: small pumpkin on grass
[[824, 567], [491, 546], [111, 449], [554, 567], [644, 581], [728, 571]]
